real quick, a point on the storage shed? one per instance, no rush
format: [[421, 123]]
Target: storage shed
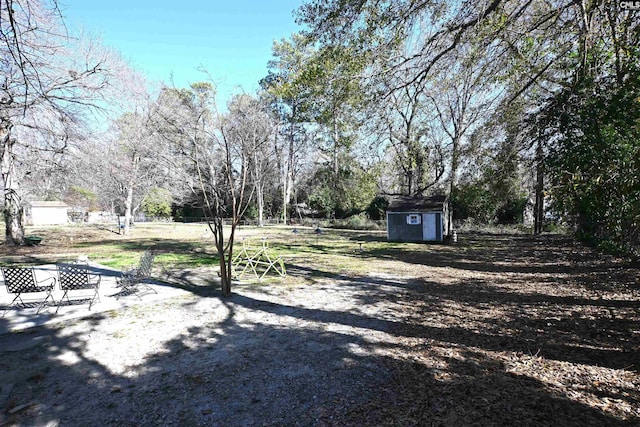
[[418, 219], [46, 213]]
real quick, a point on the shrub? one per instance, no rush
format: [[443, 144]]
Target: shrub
[[157, 203], [377, 208]]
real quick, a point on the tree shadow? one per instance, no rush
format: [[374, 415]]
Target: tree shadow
[[474, 389], [234, 371], [291, 365], [549, 257], [378, 356], [572, 328]]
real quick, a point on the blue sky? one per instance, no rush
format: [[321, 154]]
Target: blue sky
[[232, 39]]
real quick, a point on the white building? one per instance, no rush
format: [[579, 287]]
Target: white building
[[46, 213]]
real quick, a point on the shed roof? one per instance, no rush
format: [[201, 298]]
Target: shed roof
[[416, 203], [48, 204]]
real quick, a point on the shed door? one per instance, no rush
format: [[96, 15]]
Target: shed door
[[429, 229]]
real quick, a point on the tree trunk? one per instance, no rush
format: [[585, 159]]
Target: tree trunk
[[279, 160], [454, 172], [225, 274], [226, 291], [14, 230], [260, 201], [336, 144], [287, 179], [454, 162], [288, 186], [13, 212], [538, 210], [259, 187], [128, 204], [216, 225], [225, 259]]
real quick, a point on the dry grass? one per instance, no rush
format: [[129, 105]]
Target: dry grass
[[497, 330]]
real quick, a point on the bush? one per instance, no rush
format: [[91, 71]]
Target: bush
[[358, 222], [157, 203], [377, 208], [511, 211], [251, 213], [472, 201]]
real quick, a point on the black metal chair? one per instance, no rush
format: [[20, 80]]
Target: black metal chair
[[22, 280], [132, 281], [74, 277]]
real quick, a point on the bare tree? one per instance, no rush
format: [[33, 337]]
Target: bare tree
[[251, 127], [214, 164], [403, 125], [131, 162], [50, 81]]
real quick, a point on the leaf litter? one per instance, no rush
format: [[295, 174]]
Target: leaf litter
[[498, 330]]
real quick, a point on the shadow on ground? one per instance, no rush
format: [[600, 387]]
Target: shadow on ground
[[375, 350]]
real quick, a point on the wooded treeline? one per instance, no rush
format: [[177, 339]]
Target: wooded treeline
[[497, 103]]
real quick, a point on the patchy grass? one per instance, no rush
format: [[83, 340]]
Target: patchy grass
[[187, 246], [178, 245], [499, 329]]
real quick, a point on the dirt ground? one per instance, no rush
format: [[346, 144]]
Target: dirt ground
[[498, 330]]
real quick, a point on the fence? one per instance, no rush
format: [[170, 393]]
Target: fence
[[353, 223]]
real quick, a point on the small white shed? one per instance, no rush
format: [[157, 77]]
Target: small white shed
[[46, 213], [418, 219]]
